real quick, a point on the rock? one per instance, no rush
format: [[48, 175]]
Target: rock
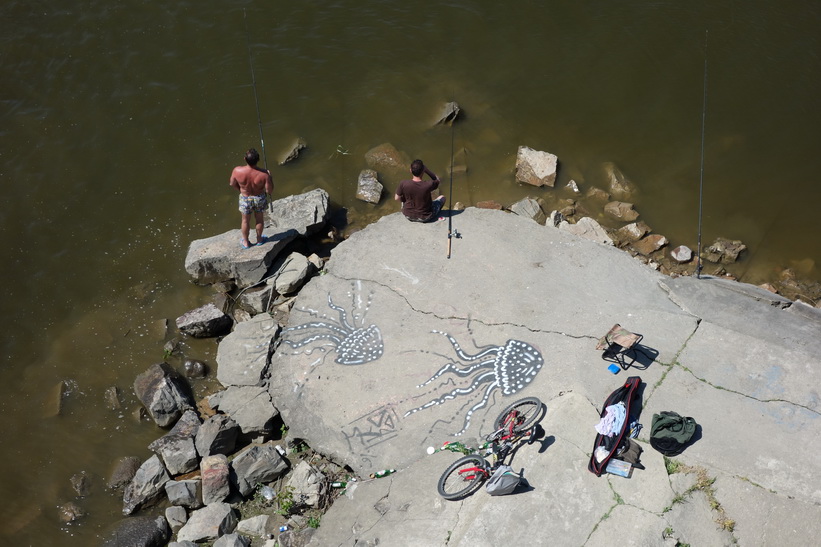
[[257, 300], [621, 210], [633, 232], [682, 254], [182, 544], [209, 523], [292, 274], [195, 369], [147, 484], [386, 156], [529, 208], [489, 204], [588, 229], [308, 484], [369, 189], [54, 400], [232, 540], [69, 512], [217, 435], [257, 464], [297, 538], [619, 186], [254, 526], [460, 162], [724, 251], [535, 167], [164, 393], [204, 322], [251, 408], [123, 472], [650, 244], [555, 219], [243, 357], [176, 448], [574, 187], [597, 194], [176, 517], [293, 152], [448, 114], [220, 258], [187, 493], [81, 484], [138, 532], [112, 399], [215, 478]]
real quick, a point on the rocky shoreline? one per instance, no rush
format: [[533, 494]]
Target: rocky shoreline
[[226, 471]]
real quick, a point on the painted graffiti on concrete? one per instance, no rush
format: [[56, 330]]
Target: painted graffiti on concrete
[[371, 429], [351, 340], [507, 368]]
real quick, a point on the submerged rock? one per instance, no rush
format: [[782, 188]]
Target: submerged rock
[[448, 114], [293, 152], [724, 251], [535, 167], [386, 156]]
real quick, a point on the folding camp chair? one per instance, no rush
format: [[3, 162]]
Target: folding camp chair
[[618, 345]]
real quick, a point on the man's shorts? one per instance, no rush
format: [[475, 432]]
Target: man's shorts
[[436, 207], [252, 204]]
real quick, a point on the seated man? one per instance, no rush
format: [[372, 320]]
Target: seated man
[[417, 205]]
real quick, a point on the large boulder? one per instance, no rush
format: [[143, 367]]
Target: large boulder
[[164, 393], [257, 464], [186, 493], [216, 483], [138, 532], [308, 484], [204, 322], [536, 167], [176, 448], [217, 435], [369, 188], [243, 357], [148, 483], [250, 407], [209, 523], [221, 258], [292, 274]]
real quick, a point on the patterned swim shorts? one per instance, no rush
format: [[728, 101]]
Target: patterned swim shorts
[[252, 204]]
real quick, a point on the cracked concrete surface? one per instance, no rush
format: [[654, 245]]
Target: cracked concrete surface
[[744, 363]]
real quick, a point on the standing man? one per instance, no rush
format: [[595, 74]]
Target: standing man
[[417, 205], [254, 185]]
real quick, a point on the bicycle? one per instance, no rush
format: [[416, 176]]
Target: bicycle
[[467, 474]]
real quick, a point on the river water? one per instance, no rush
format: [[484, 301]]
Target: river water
[[121, 121]]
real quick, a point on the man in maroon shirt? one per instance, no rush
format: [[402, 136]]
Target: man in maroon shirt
[[417, 205]]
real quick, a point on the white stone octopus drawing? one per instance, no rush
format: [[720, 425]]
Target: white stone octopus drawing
[[507, 368], [353, 342]]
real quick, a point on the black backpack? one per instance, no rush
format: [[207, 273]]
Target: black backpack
[[671, 432]]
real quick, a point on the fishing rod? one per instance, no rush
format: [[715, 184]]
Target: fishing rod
[[256, 99], [450, 192], [701, 177]]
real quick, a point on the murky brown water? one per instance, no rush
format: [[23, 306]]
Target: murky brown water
[[121, 121]]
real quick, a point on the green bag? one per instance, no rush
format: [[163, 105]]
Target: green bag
[[671, 433]]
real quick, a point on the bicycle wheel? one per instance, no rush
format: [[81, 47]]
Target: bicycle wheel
[[525, 413], [463, 477]]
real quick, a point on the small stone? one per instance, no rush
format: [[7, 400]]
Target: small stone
[[573, 186], [195, 368], [682, 254], [69, 512], [81, 483]]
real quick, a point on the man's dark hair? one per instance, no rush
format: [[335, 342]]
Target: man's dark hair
[[251, 157], [417, 168]]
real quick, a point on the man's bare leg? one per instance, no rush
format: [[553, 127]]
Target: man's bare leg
[[258, 217], [245, 228]]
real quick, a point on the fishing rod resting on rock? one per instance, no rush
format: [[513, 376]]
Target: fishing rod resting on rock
[[256, 101]]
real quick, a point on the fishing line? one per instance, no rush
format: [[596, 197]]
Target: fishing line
[[450, 192], [701, 177], [256, 96]]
